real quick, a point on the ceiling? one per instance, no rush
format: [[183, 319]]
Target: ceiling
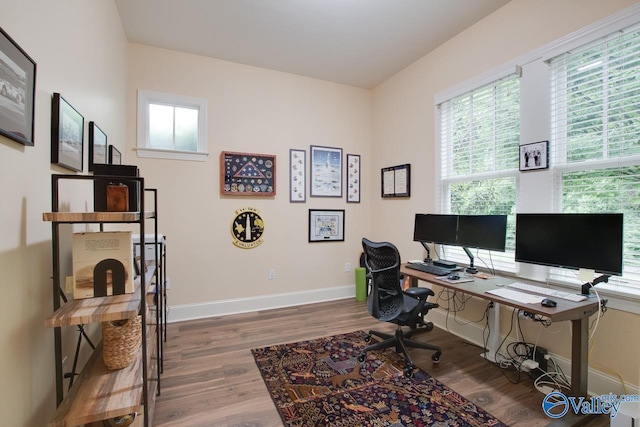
[[355, 42]]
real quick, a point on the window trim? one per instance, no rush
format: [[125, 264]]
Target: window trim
[[146, 97]]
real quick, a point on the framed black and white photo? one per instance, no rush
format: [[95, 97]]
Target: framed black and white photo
[[297, 176], [17, 91], [115, 158], [97, 146], [353, 178], [326, 225], [534, 156], [67, 134], [326, 172]]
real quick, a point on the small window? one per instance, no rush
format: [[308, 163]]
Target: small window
[[171, 126]]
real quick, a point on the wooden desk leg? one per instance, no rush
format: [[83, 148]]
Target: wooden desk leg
[[579, 356]]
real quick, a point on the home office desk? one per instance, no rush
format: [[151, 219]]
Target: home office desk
[[576, 312]]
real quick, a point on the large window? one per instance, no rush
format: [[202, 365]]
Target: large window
[[171, 126], [595, 104], [479, 137]]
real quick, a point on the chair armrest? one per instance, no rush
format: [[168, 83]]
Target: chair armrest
[[421, 293]]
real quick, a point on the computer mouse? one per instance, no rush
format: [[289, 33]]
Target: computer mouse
[[453, 276], [548, 303]]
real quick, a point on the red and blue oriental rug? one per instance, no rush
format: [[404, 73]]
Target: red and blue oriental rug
[[321, 383]]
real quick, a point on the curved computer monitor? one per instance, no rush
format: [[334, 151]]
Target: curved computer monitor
[[574, 241], [436, 228], [483, 231]]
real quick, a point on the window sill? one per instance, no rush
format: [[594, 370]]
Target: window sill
[[155, 153]]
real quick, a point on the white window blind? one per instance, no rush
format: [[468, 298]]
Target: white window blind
[[479, 140], [595, 135]]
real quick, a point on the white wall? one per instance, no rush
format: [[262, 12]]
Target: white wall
[[404, 131], [80, 51]]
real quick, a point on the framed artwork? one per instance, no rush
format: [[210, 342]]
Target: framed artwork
[[67, 134], [534, 156], [97, 146], [297, 176], [353, 178], [247, 174], [115, 157], [396, 181], [326, 225], [326, 172], [17, 91]]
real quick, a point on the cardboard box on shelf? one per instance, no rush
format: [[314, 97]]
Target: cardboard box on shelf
[[102, 264]]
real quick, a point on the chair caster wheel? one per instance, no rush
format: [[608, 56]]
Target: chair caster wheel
[[428, 326], [436, 357], [408, 372], [367, 338], [362, 357]]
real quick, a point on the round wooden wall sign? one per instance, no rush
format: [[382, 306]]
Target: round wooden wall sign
[[247, 228]]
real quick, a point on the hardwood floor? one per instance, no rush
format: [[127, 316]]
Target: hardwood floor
[[210, 378]]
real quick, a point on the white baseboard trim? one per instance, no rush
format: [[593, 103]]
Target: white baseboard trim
[[178, 313], [599, 383]]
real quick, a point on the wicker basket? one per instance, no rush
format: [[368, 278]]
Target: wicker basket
[[121, 341]]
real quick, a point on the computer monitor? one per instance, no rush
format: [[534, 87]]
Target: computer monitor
[[574, 241], [435, 228], [482, 231]]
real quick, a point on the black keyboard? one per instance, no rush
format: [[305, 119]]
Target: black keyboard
[[430, 268]]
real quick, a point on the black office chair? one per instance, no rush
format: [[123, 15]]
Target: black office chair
[[387, 302]]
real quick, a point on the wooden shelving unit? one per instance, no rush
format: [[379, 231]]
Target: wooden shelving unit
[[97, 393]]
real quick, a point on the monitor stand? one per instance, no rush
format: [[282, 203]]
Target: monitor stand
[[471, 269]]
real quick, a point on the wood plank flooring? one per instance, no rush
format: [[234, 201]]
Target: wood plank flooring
[[210, 378]]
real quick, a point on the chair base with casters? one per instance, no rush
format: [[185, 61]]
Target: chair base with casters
[[388, 302], [402, 341]]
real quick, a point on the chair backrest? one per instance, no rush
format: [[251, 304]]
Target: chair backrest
[[385, 301]]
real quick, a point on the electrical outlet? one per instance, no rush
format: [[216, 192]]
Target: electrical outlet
[[167, 283], [347, 266], [272, 274]]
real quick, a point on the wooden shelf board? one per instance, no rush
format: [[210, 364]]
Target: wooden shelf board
[[99, 309], [94, 216], [100, 394]]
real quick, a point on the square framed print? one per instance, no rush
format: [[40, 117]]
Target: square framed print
[[115, 157], [247, 174], [97, 146], [326, 225], [534, 156], [396, 181], [67, 134], [18, 90], [326, 172], [297, 176], [353, 178]]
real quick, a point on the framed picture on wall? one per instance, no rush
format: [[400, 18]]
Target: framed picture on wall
[[326, 172], [67, 134], [247, 174], [396, 181], [97, 146], [326, 225], [17, 90], [534, 156], [297, 176], [353, 178], [115, 157]]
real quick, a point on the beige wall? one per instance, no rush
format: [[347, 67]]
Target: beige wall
[[256, 111], [80, 51], [403, 131]]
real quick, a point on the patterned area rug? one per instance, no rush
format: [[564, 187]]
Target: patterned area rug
[[321, 383]]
